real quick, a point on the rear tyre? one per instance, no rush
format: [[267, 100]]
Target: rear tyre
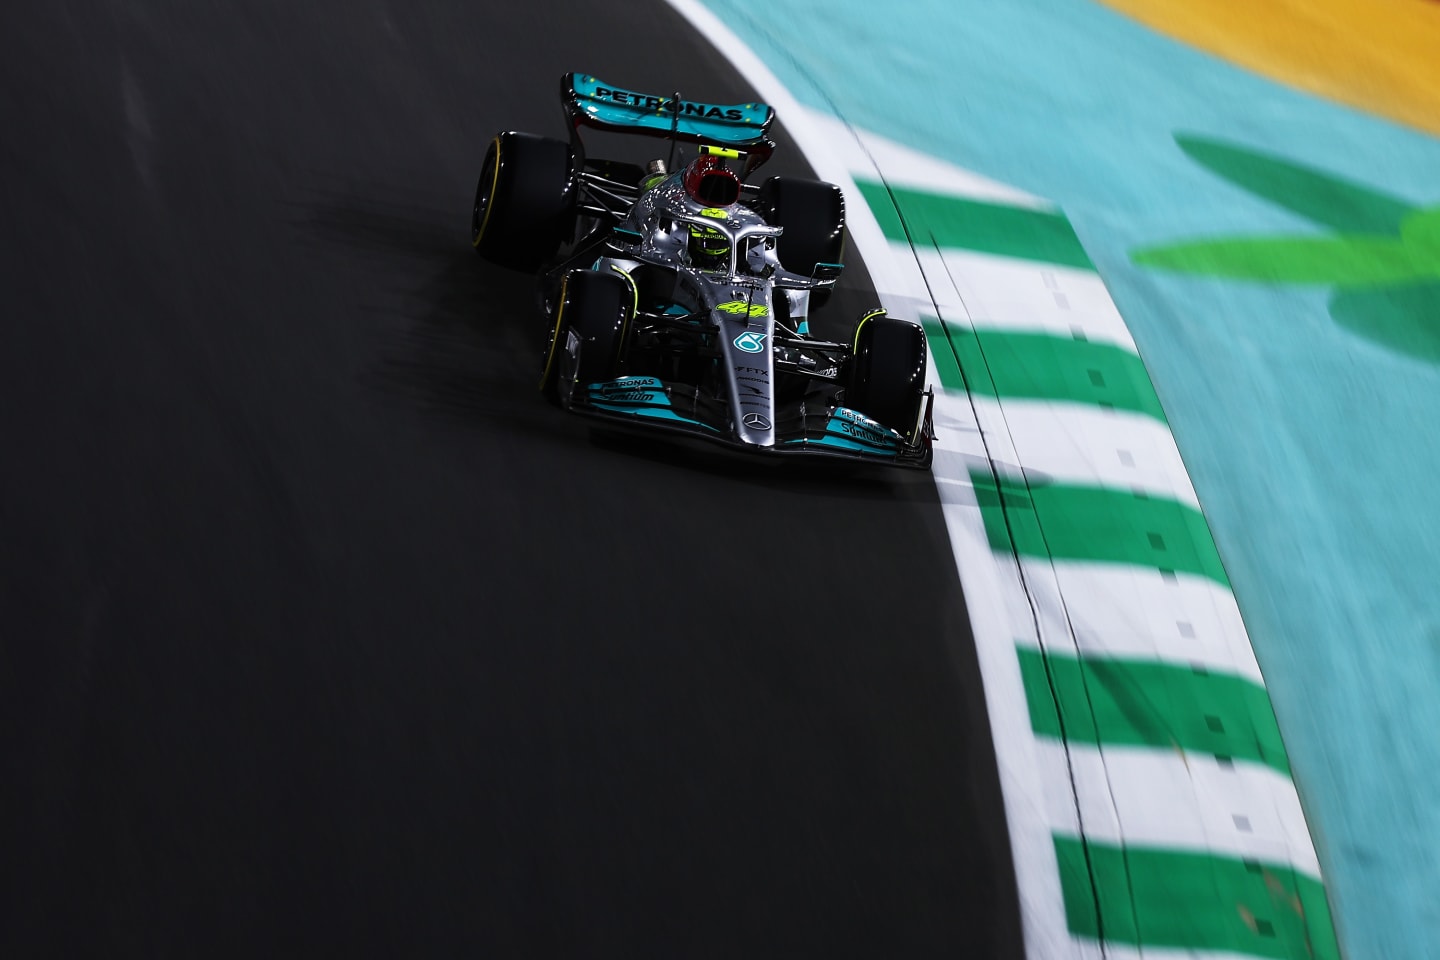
[[595, 308], [887, 373], [812, 213], [524, 200]]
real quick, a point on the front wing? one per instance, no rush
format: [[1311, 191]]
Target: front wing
[[803, 428]]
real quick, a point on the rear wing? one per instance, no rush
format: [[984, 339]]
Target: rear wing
[[591, 102]]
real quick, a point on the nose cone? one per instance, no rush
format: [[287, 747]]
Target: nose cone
[[757, 428], [750, 359]]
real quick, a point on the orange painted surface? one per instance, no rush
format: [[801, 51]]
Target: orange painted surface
[[1380, 55]]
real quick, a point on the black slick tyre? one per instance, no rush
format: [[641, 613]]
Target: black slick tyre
[[596, 309], [887, 372], [524, 200], [812, 214]]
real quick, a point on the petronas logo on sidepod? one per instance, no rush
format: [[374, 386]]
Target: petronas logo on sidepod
[[1382, 257]]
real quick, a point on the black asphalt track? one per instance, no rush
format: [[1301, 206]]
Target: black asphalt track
[[322, 635]]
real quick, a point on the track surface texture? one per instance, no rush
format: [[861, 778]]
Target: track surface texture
[[322, 634]]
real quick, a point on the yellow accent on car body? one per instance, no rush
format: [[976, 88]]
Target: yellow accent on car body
[[740, 307]]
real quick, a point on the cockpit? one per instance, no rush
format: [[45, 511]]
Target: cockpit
[[710, 244]]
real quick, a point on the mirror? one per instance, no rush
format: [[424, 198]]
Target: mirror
[[625, 236]]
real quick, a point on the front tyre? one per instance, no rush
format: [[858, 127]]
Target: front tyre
[[887, 373], [525, 200], [592, 317]]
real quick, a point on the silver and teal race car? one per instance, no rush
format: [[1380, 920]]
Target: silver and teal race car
[[682, 300]]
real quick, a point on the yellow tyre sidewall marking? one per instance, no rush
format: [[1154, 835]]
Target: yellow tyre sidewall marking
[[490, 203], [634, 307], [855, 347], [555, 334]]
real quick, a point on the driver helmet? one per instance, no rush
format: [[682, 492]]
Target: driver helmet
[[709, 248], [710, 183]]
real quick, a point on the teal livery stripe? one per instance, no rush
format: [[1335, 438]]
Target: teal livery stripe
[[840, 443], [1069, 522], [1139, 703], [653, 412], [1193, 901], [742, 124], [951, 222]]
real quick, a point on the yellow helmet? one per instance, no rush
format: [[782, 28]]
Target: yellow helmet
[[708, 246]]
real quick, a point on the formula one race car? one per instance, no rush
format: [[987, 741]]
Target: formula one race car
[[682, 300]]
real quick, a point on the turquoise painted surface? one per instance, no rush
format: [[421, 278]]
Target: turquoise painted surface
[[738, 123], [1313, 449]]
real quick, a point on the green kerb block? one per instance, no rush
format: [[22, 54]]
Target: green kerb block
[[1193, 901], [1038, 366], [1096, 524], [938, 220], [1143, 703]]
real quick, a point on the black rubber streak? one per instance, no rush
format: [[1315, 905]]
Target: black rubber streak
[[323, 635]]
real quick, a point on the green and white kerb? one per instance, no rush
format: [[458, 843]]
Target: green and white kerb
[[1147, 790]]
